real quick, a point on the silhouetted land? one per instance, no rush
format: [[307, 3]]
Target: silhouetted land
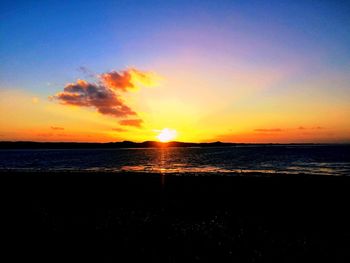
[[131, 217], [124, 144]]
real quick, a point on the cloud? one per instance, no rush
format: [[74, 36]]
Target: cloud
[[85, 94], [268, 130], [86, 71], [131, 122], [312, 128], [57, 128], [128, 79], [117, 81], [105, 95]]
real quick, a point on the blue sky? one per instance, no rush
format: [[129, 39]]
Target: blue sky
[[46, 41]]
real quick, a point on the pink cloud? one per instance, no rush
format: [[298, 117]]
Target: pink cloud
[[104, 95]]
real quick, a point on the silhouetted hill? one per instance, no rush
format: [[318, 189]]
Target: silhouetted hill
[[123, 144]]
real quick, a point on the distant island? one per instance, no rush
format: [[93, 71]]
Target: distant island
[[123, 144]]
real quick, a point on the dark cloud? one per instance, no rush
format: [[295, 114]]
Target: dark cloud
[[57, 128], [131, 122], [268, 130], [104, 95], [85, 94]]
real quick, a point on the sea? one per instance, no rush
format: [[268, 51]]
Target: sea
[[241, 159]]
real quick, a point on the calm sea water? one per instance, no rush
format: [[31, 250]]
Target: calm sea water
[[315, 159]]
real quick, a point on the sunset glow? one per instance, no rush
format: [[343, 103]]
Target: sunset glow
[[166, 135], [162, 121], [105, 79]]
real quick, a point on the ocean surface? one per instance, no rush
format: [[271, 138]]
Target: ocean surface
[[288, 159]]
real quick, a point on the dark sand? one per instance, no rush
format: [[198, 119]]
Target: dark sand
[[60, 217]]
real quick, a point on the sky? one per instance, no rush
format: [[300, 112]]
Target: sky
[[233, 71]]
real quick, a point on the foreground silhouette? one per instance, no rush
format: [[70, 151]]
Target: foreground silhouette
[[106, 217]]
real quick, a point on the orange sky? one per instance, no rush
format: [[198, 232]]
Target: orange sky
[[241, 113]]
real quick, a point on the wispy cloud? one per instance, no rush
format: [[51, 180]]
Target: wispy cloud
[[87, 72], [310, 128]]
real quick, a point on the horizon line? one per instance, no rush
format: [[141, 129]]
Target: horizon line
[[163, 143]]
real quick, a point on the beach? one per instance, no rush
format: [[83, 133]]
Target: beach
[[108, 217]]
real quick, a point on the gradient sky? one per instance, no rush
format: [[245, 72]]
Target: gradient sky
[[240, 71]]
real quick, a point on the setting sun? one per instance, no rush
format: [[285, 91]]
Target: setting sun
[[166, 135]]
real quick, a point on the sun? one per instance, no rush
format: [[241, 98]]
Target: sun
[[166, 135]]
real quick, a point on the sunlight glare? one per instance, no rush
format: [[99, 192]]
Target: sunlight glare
[[166, 135]]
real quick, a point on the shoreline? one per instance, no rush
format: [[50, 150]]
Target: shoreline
[[124, 172]]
